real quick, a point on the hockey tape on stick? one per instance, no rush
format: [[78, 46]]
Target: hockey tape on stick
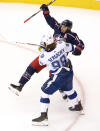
[[37, 12]]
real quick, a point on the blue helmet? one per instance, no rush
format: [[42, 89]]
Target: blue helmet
[[67, 23]]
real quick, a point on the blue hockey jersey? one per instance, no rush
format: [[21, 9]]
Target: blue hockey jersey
[[69, 37]]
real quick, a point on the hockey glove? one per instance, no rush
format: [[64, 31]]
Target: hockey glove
[[45, 9], [78, 49]]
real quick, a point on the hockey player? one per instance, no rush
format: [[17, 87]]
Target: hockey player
[[61, 31], [55, 57]]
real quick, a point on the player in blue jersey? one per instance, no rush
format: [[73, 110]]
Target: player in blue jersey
[[62, 31], [55, 58]]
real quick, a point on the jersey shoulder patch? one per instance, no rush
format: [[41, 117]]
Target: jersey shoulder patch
[[42, 56]]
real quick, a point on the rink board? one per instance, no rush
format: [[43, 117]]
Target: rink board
[[88, 4]]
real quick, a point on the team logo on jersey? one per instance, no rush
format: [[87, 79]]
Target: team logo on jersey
[[42, 56]]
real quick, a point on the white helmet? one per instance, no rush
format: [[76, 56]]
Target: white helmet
[[48, 39]]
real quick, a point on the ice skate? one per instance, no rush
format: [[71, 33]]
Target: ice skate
[[77, 107], [16, 89], [41, 121]]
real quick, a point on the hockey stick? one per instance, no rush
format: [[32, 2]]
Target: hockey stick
[[38, 12], [4, 40], [19, 46], [13, 42], [28, 44]]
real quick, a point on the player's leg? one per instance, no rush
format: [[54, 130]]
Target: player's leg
[[17, 88], [48, 88], [72, 94], [31, 69], [54, 83], [34, 67], [64, 95], [42, 120]]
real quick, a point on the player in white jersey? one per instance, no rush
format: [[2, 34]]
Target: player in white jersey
[[55, 58]]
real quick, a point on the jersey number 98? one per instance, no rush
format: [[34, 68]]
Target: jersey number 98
[[59, 63]]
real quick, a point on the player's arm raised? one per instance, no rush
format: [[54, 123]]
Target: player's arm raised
[[50, 20]]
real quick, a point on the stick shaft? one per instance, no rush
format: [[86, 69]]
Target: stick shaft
[[31, 16], [37, 12], [27, 43]]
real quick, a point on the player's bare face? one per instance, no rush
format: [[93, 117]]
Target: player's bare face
[[63, 28]]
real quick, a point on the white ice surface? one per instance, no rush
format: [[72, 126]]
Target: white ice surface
[[16, 113]]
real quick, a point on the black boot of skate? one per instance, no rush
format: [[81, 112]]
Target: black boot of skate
[[16, 88], [41, 121], [77, 107]]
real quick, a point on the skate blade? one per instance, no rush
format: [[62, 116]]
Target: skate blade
[[82, 112], [44, 123], [14, 91]]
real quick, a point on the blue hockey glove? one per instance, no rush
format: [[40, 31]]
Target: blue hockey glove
[[78, 49], [45, 9]]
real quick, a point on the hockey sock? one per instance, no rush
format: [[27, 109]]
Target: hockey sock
[[27, 75], [72, 95], [44, 102]]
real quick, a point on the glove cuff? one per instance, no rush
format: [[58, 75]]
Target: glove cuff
[[46, 13], [76, 53]]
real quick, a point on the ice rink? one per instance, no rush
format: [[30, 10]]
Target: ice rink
[[16, 112]]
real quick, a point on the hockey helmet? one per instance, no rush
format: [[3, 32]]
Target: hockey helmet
[[47, 39], [67, 23]]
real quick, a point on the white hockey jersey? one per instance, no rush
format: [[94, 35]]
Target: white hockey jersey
[[56, 59]]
